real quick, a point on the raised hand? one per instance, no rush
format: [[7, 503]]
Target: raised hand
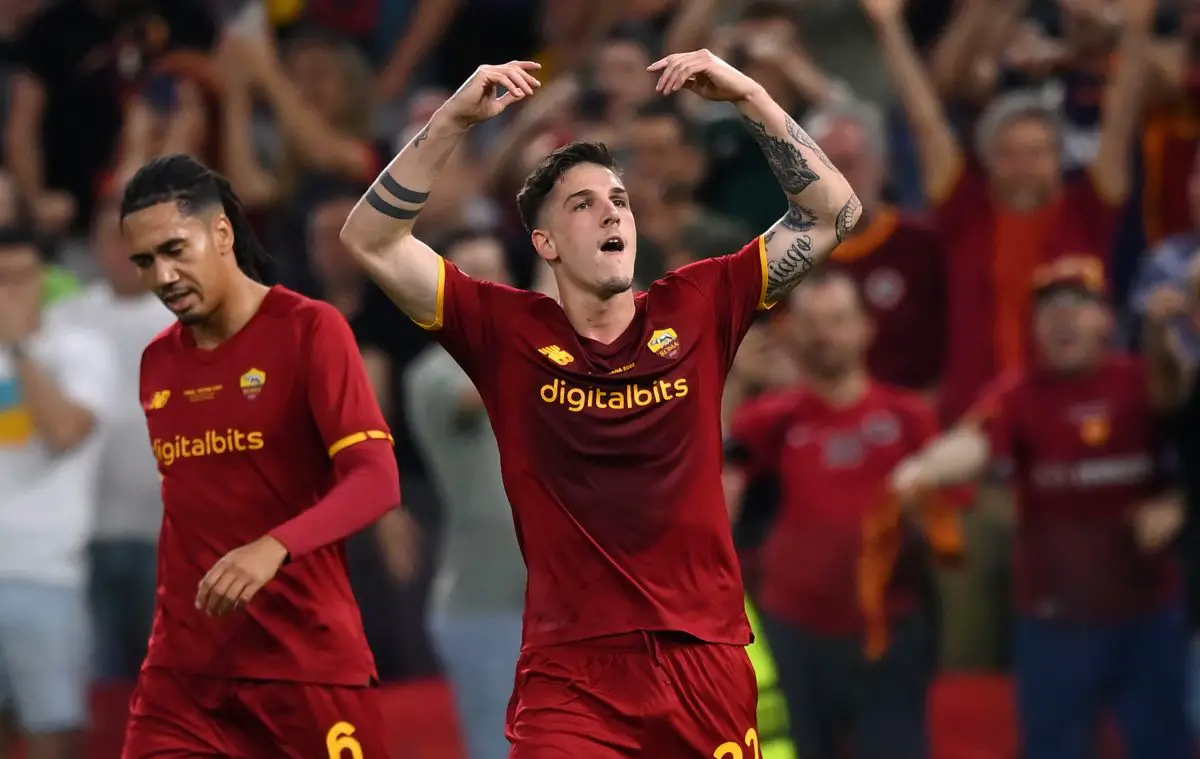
[[479, 98], [703, 73]]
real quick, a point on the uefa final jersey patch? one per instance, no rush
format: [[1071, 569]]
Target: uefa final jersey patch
[[252, 383], [664, 343]]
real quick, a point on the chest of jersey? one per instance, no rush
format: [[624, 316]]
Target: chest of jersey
[[1086, 444], [200, 416]]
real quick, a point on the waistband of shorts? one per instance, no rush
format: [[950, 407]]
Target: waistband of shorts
[[638, 640]]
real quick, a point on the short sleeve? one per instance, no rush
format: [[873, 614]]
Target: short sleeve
[[993, 414], [340, 396], [84, 363], [735, 286], [467, 316], [756, 436]]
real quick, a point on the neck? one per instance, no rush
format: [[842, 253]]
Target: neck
[[238, 308], [602, 320], [842, 391]]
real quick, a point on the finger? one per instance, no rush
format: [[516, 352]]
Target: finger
[[527, 65], [219, 597], [230, 598], [505, 101], [205, 589], [680, 75], [248, 593], [529, 79], [502, 79], [526, 82], [659, 65]]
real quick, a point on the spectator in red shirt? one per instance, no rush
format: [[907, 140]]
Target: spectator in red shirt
[[1101, 621], [832, 445], [896, 258], [1002, 217]]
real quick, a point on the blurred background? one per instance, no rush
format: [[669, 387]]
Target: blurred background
[[982, 136]]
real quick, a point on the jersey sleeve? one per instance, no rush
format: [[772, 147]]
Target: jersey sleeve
[[735, 288], [993, 414], [340, 395], [466, 319]]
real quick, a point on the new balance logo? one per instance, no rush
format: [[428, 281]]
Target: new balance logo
[[556, 354], [159, 400]]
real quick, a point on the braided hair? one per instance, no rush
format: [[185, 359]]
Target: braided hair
[[194, 187]]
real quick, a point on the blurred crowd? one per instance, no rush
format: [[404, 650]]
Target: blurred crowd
[[1025, 276]]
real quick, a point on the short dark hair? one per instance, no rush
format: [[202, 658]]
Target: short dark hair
[[193, 187], [541, 181]]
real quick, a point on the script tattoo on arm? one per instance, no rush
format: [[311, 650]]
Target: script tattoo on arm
[[847, 217], [785, 271], [783, 156]]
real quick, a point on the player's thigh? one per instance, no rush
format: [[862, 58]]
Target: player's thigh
[[715, 704], [171, 717], [302, 721], [44, 645], [578, 701]]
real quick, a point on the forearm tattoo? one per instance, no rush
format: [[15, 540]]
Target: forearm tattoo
[[798, 218], [421, 137], [399, 192], [785, 272], [801, 136], [784, 156], [847, 217]]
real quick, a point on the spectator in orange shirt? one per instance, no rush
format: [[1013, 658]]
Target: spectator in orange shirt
[[1001, 218]]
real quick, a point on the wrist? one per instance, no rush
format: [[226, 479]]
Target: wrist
[[446, 125]]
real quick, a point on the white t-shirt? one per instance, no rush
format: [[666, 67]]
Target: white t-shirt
[[47, 499], [129, 495]]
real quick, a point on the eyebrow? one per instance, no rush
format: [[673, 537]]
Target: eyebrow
[[162, 247], [587, 193]]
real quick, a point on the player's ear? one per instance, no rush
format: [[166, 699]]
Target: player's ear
[[544, 245], [222, 232]]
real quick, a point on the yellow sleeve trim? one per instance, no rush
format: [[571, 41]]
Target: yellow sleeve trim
[[763, 303], [441, 300], [356, 438]]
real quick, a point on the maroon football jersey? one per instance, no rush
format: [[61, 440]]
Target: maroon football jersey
[[244, 436], [833, 465], [612, 454], [1085, 452], [900, 266]]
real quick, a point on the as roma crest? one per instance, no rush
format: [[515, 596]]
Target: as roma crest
[[1095, 429], [664, 342]]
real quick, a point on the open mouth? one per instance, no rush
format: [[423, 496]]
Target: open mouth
[[613, 244], [177, 300]]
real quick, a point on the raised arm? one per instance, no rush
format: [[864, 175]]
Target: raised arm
[[1122, 112], [822, 207], [378, 231], [939, 151]]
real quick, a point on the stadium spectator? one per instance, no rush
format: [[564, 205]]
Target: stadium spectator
[[480, 587], [832, 444], [57, 384], [123, 552], [1101, 623], [896, 258], [1172, 263], [392, 563], [1173, 374], [77, 60]]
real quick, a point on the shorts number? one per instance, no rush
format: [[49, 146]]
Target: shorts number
[[733, 749], [340, 738]]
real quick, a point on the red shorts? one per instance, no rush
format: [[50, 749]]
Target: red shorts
[[178, 715], [667, 696]]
